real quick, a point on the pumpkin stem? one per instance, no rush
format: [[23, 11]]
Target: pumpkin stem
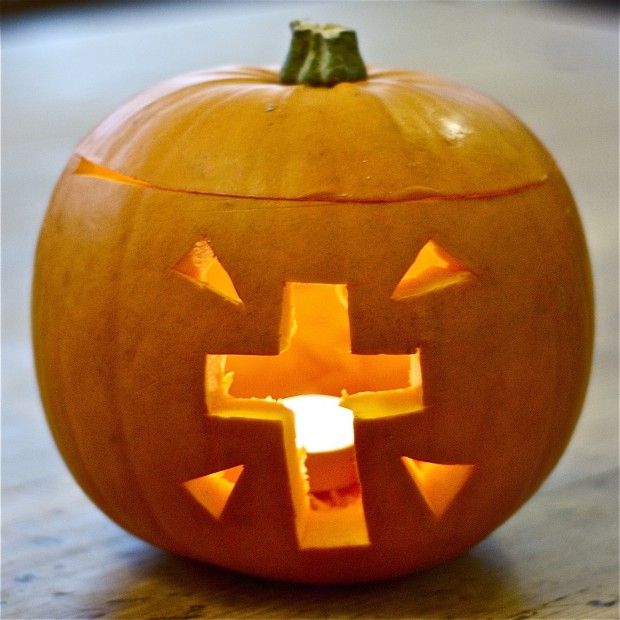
[[322, 55]]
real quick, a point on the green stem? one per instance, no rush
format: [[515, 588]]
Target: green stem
[[322, 55]]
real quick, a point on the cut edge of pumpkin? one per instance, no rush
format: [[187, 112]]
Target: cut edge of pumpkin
[[87, 168]]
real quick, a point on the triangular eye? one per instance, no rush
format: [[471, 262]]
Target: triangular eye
[[432, 269], [438, 484], [202, 266], [214, 490]]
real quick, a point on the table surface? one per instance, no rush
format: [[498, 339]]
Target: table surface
[[554, 64]]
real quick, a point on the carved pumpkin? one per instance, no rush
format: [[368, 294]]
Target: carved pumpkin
[[394, 248]]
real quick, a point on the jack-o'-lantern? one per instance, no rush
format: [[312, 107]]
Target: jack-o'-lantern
[[329, 328]]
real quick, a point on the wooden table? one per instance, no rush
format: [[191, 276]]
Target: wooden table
[[555, 65]]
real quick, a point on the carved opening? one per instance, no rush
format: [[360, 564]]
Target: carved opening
[[318, 386], [214, 490], [438, 483], [315, 356], [203, 268], [432, 269]]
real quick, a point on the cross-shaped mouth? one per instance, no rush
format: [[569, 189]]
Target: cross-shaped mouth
[[316, 388], [313, 377]]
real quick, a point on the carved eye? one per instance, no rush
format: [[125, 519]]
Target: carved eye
[[203, 268], [214, 490], [438, 484], [432, 269]]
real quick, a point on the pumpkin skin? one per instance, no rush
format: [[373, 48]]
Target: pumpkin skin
[[295, 184]]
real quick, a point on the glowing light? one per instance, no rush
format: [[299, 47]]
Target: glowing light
[[321, 425]]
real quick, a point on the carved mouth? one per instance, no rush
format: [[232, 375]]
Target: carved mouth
[[315, 382], [317, 387], [322, 383]]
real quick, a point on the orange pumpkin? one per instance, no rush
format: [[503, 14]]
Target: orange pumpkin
[[394, 248]]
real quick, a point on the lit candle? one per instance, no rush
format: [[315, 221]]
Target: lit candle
[[325, 430]]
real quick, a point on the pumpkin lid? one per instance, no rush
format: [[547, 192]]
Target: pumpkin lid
[[395, 135]]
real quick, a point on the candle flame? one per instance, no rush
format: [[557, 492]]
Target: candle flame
[[321, 424]]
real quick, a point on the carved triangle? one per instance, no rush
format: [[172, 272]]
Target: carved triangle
[[202, 266], [432, 269], [214, 490], [439, 484]]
